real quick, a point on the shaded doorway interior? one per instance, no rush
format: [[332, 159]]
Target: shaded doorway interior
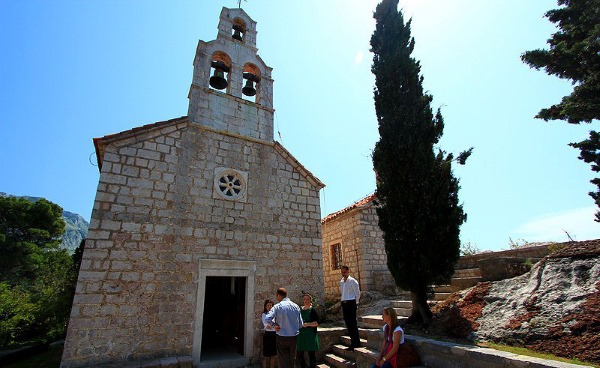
[[224, 316]]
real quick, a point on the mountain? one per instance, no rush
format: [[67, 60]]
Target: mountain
[[76, 227]]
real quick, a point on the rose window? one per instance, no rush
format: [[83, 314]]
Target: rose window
[[230, 184]]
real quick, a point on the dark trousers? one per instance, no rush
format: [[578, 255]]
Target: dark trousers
[[312, 359], [286, 351], [349, 309]]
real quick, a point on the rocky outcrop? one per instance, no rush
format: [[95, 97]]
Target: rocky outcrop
[[554, 308], [76, 229]]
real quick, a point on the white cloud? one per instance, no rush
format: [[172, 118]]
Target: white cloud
[[359, 57], [579, 223]]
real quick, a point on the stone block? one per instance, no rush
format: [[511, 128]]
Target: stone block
[[185, 361], [150, 364], [171, 362]]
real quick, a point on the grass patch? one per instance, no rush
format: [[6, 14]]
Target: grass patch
[[532, 353], [47, 359]]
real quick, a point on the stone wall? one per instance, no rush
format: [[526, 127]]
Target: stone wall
[[238, 115], [534, 253], [362, 249], [344, 230], [156, 218], [374, 257]]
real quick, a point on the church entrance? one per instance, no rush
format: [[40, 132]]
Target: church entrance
[[224, 315]]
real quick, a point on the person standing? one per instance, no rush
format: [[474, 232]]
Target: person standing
[[285, 316], [308, 340], [350, 298], [269, 339]]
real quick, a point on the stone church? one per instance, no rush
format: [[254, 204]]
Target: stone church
[[197, 220]]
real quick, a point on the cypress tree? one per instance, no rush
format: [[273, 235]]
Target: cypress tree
[[574, 55], [417, 194]]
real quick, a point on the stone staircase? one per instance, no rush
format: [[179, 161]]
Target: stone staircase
[[434, 354], [370, 326], [371, 335], [339, 357], [462, 279]]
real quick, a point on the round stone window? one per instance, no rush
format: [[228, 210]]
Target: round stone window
[[230, 184]]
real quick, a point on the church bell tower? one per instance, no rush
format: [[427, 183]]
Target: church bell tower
[[232, 89]]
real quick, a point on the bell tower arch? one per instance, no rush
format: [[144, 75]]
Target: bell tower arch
[[232, 87]]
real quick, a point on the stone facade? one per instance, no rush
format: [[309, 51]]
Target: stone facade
[[356, 231], [196, 221]]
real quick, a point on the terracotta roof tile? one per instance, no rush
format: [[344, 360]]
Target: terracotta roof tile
[[360, 203]]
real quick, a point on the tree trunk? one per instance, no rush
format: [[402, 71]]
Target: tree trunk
[[420, 308]]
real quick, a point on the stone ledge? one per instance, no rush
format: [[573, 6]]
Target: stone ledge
[[170, 362], [440, 354]]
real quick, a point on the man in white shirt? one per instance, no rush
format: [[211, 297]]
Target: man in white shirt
[[350, 297]]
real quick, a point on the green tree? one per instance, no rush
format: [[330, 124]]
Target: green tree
[[574, 55], [27, 231], [36, 275], [417, 194]]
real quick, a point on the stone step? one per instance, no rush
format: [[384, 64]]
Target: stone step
[[333, 360], [461, 283], [342, 355], [363, 333], [441, 296], [340, 351], [403, 308], [467, 272], [443, 289], [376, 321], [408, 303], [346, 340], [401, 304], [403, 312]]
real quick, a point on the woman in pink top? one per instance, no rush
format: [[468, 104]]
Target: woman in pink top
[[394, 352]]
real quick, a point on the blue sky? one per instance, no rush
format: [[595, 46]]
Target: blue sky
[[75, 70]]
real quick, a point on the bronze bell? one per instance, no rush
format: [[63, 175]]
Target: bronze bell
[[218, 81], [249, 89], [237, 32]]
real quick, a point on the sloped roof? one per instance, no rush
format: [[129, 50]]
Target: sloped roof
[[297, 165], [101, 143], [358, 204]]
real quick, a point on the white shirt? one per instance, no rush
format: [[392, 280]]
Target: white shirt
[[398, 328], [266, 323], [350, 289]]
